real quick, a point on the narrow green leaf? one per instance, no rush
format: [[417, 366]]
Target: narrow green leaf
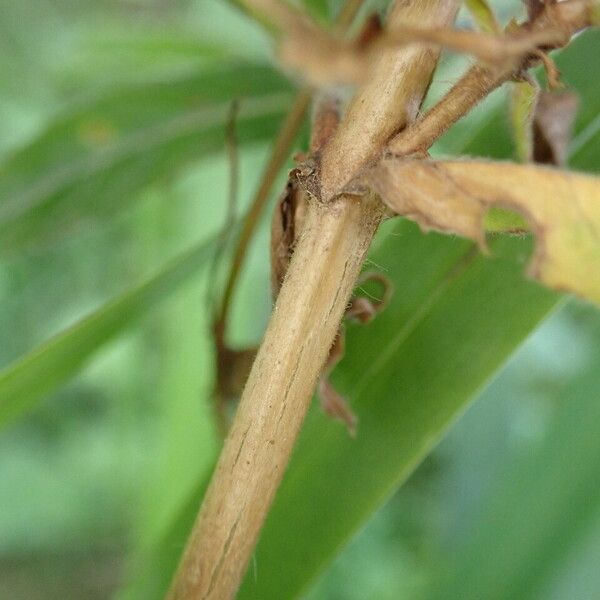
[[541, 505], [318, 9], [483, 15], [50, 365], [523, 101], [92, 161]]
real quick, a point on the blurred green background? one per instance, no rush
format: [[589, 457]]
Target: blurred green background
[[112, 162]]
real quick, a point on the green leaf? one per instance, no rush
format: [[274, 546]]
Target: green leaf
[[483, 15], [542, 503], [93, 161], [454, 326], [454, 319], [318, 9], [50, 365], [523, 100]]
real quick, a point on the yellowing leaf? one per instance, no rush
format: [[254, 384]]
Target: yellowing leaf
[[595, 12], [483, 15], [562, 208]]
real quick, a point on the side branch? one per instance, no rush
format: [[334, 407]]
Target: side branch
[[563, 20]]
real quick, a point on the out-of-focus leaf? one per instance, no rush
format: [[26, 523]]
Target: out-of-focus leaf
[[106, 54], [555, 115], [523, 101], [541, 505], [154, 567], [47, 367], [483, 15], [92, 161], [317, 8]]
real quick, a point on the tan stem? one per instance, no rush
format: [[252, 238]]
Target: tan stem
[[471, 89], [313, 298], [335, 238]]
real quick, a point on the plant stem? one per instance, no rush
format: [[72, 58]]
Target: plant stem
[[382, 107], [326, 262], [307, 315], [281, 148], [279, 155], [568, 17]]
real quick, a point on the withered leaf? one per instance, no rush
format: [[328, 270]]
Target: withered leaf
[[535, 8], [552, 127], [562, 208], [286, 224]]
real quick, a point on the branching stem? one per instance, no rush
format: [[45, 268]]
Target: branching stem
[[336, 235]]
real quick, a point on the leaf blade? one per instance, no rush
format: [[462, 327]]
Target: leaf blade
[[49, 365], [93, 161]]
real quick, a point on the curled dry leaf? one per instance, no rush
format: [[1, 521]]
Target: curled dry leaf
[[332, 402], [288, 217], [563, 209]]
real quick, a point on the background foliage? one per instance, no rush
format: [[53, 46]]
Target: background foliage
[[113, 184]]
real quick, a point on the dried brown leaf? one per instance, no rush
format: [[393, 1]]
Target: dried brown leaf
[[286, 224], [562, 208], [553, 123]]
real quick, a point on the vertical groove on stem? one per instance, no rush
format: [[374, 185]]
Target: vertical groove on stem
[[305, 320]]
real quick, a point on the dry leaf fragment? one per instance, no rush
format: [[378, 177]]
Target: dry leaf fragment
[[552, 127], [535, 8], [563, 209], [286, 224]]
